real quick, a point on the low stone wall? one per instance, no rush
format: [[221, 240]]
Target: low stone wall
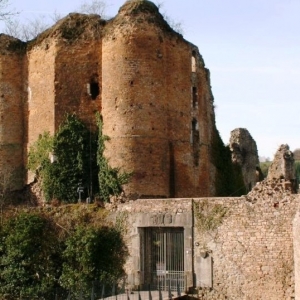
[[235, 248]]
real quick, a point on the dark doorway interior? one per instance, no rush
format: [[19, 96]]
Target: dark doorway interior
[[163, 258]]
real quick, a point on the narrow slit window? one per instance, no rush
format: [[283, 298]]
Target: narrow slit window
[[195, 97], [94, 89], [193, 61], [195, 137]]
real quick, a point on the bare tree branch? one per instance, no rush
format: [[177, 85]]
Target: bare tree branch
[[176, 25], [5, 12], [28, 30], [94, 7]]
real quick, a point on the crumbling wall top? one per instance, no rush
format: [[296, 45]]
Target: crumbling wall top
[[9, 44], [134, 13], [73, 27], [282, 166]]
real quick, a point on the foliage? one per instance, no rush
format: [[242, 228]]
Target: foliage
[[209, 215], [92, 254], [29, 263], [229, 178], [264, 166], [39, 151], [297, 171], [74, 147], [38, 256], [110, 179], [79, 161]]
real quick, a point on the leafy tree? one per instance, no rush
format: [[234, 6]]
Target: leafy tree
[[110, 179], [264, 166], [92, 254], [29, 260], [296, 154]]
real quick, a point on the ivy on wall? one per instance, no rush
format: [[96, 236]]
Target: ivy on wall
[[79, 161], [110, 179]]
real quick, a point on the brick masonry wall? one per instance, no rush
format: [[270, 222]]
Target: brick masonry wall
[[41, 89], [77, 65], [11, 120], [147, 109], [251, 246]]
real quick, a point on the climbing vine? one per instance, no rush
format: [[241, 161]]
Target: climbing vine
[[110, 179], [79, 161]]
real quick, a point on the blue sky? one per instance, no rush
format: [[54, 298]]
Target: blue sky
[[252, 48]]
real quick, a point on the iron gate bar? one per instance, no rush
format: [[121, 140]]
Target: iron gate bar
[[163, 258]]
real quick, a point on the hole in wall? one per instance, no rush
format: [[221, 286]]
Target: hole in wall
[[93, 88]]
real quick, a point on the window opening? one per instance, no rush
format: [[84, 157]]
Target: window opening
[[195, 141], [195, 97], [93, 88], [194, 61]]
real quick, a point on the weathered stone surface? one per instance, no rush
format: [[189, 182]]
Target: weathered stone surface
[[250, 245], [12, 96], [244, 153], [282, 165]]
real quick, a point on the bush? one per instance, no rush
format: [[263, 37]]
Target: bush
[[29, 257], [92, 254]]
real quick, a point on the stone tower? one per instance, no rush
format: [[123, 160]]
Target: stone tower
[[156, 105], [12, 95], [149, 84]]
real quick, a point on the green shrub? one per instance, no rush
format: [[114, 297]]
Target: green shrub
[[92, 254], [29, 257]]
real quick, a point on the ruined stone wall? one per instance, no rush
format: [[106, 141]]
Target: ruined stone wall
[[137, 215], [148, 109], [11, 114], [242, 247], [252, 248], [77, 73], [41, 89], [296, 236]]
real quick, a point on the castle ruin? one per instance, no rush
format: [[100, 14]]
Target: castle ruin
[[153, 91], [149, 84]]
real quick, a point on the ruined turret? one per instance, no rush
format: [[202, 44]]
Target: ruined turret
[[156, 105], [282, 166], [12, 95], [244, 153]]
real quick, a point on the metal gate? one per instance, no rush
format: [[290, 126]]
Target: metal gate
[[163, 258]]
